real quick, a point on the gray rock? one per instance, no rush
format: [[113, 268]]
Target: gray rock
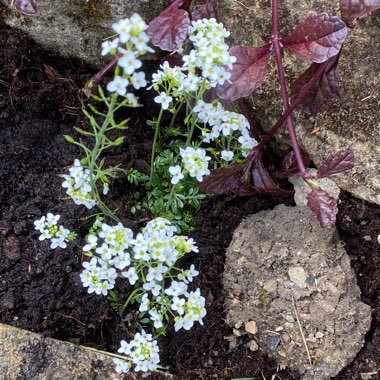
[[355, 121], [26, 355], [333, 319], [76, 28]]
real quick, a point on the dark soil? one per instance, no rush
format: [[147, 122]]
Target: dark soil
[[40, 289]]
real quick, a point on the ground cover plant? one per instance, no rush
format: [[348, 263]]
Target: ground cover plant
[[77, 168]]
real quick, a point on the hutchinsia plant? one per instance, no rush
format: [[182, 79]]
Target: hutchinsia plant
[[210, 136]]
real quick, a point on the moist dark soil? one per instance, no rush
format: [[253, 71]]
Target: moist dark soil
[[40, 289]]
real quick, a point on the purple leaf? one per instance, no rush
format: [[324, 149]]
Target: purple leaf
[[317, 38], [337, 162], [203, 11], [226, 180], [26, 7], [210, 95], [289, 165], [353, 9], [262, 181], [324, 91], [248, 72], [323, 206], [169, 29]]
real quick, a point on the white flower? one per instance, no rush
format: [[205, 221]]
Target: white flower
[[118, 85], [131, 275], [190, 274], [129, 61], [40, 224], [190, 83], [122, 366], [106, 188], [247, 142], [51, 219], [60, 239], [133, 100], [186, 322], [222, 75], [164, 100], [153, 287], [144, 305], [140, 43], [178, 304], [156, 318], [138, 80], [227, 155], [156, 273], [123, 29], [110, 46], [176, 173], [176, 289]]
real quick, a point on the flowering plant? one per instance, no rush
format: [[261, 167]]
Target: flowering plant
[[147, 262]]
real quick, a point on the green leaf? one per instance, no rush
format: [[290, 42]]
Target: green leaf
[[69, 139], [118, 141]]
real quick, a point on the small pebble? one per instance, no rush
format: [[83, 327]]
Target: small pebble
[[289, 318], [298, 276], [251, 327], [252, 345], [285, 337], [233, 344], [272, 342], [367, 238], [238, 325], [270, 285]]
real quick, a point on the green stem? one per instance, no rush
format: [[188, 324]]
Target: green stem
[[175, 114], [156, 134], [128, 300], [94, 155]]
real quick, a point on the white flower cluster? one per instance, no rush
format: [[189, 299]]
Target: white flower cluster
[[211, 52], [49, 229], [227, 124], [131, 43], [142, 351], [209, 58], [78, 185], [146, 261], [195, 163]]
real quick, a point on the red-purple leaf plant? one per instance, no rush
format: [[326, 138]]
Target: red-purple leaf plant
[[318, 39]]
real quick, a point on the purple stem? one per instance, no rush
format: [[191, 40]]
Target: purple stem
[[99, 75], [275, 39], [186, 5], [257, 150]]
